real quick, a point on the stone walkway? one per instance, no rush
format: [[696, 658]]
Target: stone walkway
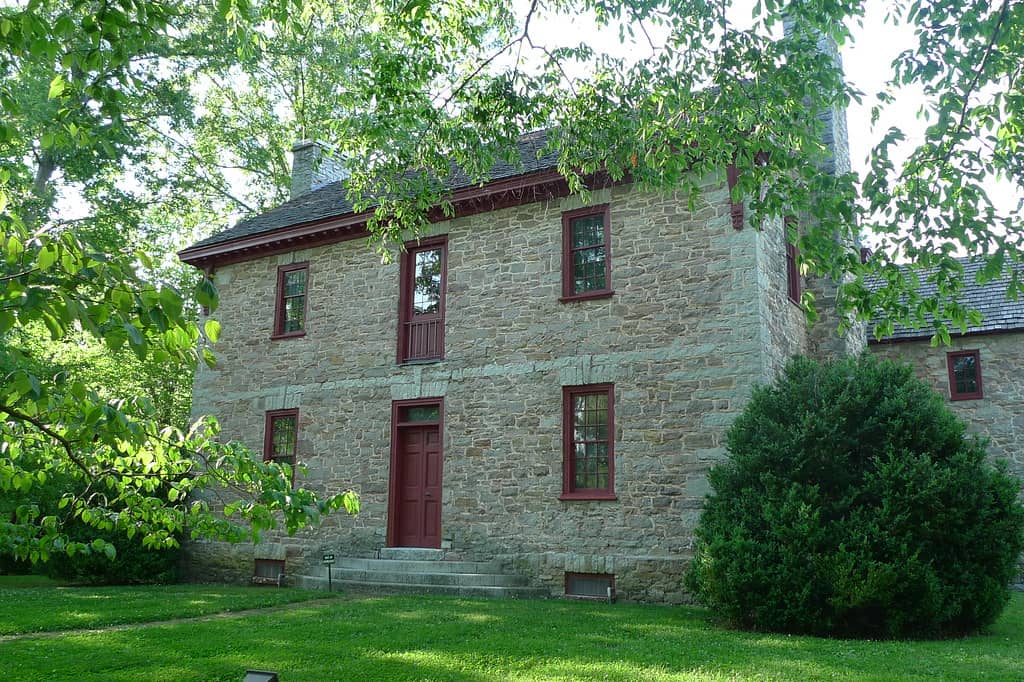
[[223, 615]]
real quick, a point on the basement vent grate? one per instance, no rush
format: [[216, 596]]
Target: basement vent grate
[[590, 585]]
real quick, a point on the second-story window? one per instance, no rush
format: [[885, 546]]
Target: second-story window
[[290, 311], [586, 253], [421, 300], [793, 288]]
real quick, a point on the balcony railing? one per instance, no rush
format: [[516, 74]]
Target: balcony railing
[[423, 339]]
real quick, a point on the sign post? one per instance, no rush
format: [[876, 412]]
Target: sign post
[[328, 561]]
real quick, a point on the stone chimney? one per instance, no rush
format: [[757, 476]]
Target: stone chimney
[[835, 135], [315, 164], [824, 342]]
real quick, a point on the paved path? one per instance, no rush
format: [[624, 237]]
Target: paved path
[[223, 615]]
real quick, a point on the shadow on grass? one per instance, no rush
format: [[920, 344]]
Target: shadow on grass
[[453, 639]]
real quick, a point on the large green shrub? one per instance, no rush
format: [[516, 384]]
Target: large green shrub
[[853, 504], [132, 565]]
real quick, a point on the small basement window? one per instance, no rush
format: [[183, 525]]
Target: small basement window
[[268, 571], [590, 585]]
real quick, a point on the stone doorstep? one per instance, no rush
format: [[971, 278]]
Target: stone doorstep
[[411, 553], [450, 578], [413, 566], [308, 582], [412, 572]]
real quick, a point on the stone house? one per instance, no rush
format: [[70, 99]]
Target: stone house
[[982, 371], [536, 384]]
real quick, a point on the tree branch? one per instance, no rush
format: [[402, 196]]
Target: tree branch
[[63, 441]]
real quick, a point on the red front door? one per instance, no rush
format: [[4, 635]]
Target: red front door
[[417, 486]]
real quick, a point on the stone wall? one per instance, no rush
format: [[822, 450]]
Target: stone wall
[[1000, 413], [683, 339], [784, 330]]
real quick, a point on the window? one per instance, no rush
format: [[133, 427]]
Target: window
[[793, 288], [964, 375], [290, 313], [268, 572], [586, 254], [424, 274], [590, 585], [588, 442], [281, 437]]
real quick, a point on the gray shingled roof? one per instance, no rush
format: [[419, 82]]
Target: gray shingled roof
[[998, 313], [329, 201]]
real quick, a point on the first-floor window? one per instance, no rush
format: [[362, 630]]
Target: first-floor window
[[281, 437], [588, 442], [964, 374]]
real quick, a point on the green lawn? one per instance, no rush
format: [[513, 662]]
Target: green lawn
[[436, 638], [41, 609]]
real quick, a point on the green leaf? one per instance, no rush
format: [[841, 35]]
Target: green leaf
[[57, 87], [212, 329], [47, 257]]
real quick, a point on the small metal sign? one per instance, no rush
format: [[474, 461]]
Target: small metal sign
[[328, 559]]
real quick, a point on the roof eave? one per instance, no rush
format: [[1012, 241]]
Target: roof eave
[[514, 191]]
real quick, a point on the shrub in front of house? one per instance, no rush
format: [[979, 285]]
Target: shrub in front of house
[[852, 503]]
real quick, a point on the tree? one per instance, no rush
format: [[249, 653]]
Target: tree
[[91, 92], [148, 108], [852, 503]]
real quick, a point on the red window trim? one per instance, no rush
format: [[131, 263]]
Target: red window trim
[[268, 435], [391, 536], [569, 492], [950, 358], [405, 287], [567, 263], [793, 283], [576, 574], [279, 302]]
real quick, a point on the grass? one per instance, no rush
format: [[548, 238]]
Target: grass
[[436, 638], [26, 581], [42, 609]]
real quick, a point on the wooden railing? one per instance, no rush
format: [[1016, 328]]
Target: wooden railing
[[423, 339]]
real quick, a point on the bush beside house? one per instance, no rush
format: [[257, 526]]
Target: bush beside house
[[854, 504]]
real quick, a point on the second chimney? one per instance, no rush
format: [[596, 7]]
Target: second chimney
[[314, 165]]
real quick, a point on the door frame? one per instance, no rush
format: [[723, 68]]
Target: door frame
[[393, 475]]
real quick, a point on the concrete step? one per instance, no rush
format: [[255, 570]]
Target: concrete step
[[450, 578], [489, 591], [411, 553], [413, 566]]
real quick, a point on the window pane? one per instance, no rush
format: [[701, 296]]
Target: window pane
[[283, 438], [965, 371], [427, 290], [591, 448], [420, 413], [588, 231], [295, 283], [294, 313], [589, 270]]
